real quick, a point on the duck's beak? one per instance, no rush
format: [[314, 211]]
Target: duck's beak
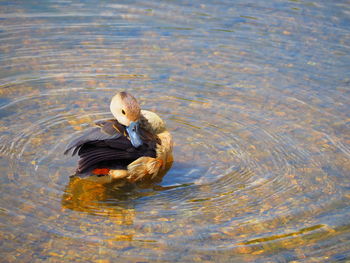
[[133, 131]]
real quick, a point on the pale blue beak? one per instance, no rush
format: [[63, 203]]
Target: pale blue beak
[[133, 131]]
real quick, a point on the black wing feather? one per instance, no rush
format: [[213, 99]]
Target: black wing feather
[[107, 144], [106, 130]]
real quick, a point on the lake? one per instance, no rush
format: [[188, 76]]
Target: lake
[[255, 93]]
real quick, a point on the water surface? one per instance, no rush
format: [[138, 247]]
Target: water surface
[[255, 93]]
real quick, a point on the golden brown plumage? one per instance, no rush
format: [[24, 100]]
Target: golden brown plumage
[[135, 146]]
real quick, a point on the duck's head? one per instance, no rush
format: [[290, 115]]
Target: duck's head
[[127, 111]]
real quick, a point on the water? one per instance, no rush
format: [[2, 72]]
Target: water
[[256, 95]]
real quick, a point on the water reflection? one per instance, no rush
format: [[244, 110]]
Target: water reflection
[[85, 194], [88, 196]]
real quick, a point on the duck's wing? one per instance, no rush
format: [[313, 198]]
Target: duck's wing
[[106, 143], [104, 130]]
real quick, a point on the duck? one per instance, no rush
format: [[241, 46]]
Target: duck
[[133, 146]]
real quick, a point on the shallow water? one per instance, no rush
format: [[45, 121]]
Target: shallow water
[[256, 95]]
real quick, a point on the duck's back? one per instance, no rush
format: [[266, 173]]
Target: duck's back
[[107, 146]]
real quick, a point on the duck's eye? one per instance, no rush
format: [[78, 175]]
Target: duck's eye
[[123, 111]]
